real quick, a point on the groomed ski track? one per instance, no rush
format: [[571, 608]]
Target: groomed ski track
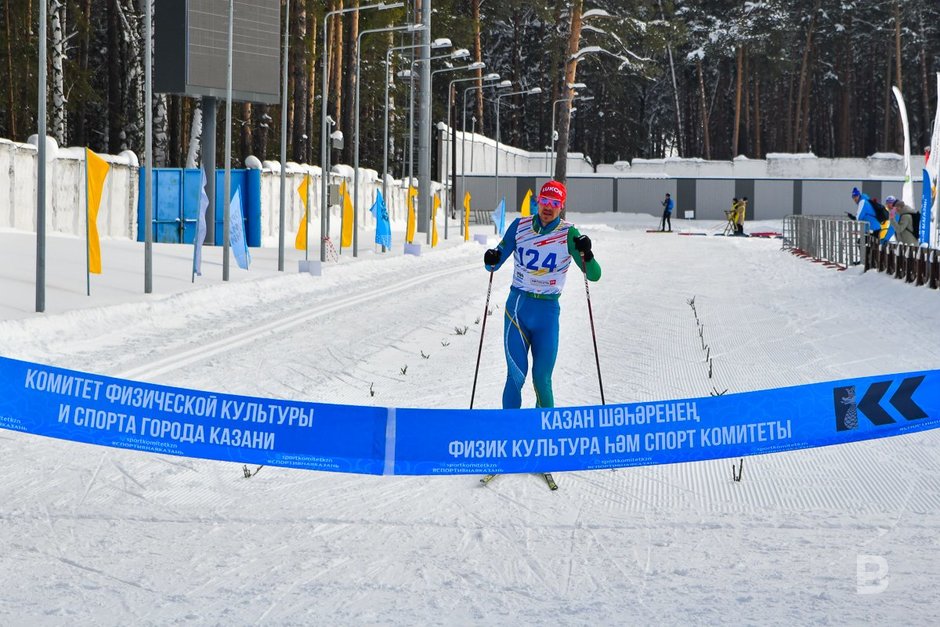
[[118, 537], [283, 323]]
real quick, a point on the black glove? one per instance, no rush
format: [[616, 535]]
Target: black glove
[[851, 215], [492, 256], [583, 245]]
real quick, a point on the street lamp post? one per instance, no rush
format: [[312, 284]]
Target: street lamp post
[[441, 42], [422, 160], [453, 134], [463, 145], [41, 166], [283, 177], [573, 59], [324, 136], [227, 205], [533, 91], [411, 28], [554, 104], [460, 53], [477, 65]]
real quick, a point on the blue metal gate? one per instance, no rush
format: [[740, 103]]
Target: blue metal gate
[[175, 193]]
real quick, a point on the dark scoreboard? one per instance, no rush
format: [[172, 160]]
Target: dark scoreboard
[[191, 49]]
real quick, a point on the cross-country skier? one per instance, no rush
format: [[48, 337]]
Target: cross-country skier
[[542, 247]]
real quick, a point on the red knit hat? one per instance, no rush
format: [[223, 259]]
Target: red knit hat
[[554, 190]]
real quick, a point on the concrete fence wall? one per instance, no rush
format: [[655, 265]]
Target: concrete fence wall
[[117, 215], [700, 199], [369, 185], [65, 191], [477, 154], [778, 186]]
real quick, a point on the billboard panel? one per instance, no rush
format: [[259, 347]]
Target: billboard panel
[[191, 48]]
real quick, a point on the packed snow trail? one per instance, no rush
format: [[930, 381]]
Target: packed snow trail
[[103, 536]]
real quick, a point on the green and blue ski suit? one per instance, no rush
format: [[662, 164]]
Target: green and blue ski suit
[[542, 255]]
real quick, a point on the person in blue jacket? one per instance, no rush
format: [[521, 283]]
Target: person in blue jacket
[[542, 247], [866, 212], [667, 213]]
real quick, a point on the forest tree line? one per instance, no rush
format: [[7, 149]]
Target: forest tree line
[[693, 78]]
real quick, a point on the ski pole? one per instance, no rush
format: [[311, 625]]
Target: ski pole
[[486, 311], [597, 360]]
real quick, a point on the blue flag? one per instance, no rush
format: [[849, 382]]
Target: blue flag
[[925, 204], [200, 227], [236, 233], [499, 217], [383, 230]]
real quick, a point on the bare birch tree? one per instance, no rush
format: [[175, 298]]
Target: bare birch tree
[[57, 79], [195, 137]]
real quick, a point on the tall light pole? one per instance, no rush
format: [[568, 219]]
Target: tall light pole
[[460, 53], [227, 206], [570, 71], [324, 134], [281, 203], [411, 28], [526, 92], [477, 65], [463, 145], [406, 164], [148, 147], [453, 142], [424, 121], [441, 42], [41, 167], [572, 87]]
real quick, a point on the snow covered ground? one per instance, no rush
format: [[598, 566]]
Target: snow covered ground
[[93, 535]]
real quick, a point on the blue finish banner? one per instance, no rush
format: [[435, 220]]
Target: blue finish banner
[[90, 408], [640, 434], [72, 405]]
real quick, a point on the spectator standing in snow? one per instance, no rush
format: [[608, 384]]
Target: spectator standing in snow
[[866, 212], [542, 247], [742, 212], [667, 213], [902, 219], [732, 216]]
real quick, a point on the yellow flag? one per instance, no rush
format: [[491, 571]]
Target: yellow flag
[[466, 217], [526, 207], [347, 237], [436, 205], [300, 243], [96, 170], [412, 218]]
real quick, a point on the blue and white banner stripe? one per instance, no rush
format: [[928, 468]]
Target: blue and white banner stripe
[[81, 407]]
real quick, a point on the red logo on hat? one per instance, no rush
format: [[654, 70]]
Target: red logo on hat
[[554, 189]]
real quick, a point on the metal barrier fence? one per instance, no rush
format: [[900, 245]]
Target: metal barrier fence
[[913, 264], [835, 241], [840, 243]]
